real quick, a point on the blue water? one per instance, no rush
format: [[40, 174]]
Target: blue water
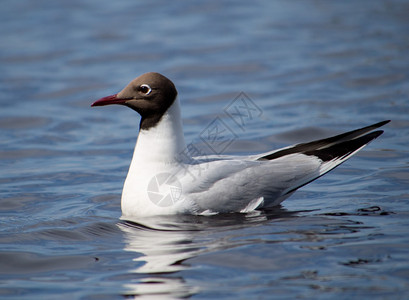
[[313, 68]]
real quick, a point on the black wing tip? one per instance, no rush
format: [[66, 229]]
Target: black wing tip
[[344, 149], [314, 145], [370, 127], [381, 123], [375, 134]]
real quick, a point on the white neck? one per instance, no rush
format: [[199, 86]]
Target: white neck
[[164, 142]]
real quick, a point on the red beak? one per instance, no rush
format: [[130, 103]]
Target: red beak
[[109, 100]]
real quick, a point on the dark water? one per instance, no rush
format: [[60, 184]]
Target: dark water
[[313, 68]]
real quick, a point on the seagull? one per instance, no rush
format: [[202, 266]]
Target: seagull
[[164, 179]]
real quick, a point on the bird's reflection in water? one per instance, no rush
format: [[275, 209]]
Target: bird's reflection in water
[[163, 244]]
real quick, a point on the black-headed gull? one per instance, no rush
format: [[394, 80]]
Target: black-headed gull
[[160, 178]]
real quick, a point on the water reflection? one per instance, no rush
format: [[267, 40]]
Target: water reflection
[[163, 244]]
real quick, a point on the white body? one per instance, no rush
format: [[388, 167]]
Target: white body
[[213, 184]]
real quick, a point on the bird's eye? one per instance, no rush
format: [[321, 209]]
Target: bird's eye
[[146, 89]]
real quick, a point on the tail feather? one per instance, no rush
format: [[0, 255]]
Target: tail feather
[[335, 155], [343, 149]]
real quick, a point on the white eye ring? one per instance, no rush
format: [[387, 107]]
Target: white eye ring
[[146, 89]]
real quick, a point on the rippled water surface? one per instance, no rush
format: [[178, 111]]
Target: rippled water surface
[[312, 68]]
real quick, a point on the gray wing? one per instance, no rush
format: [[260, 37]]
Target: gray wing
[[231, 184]]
